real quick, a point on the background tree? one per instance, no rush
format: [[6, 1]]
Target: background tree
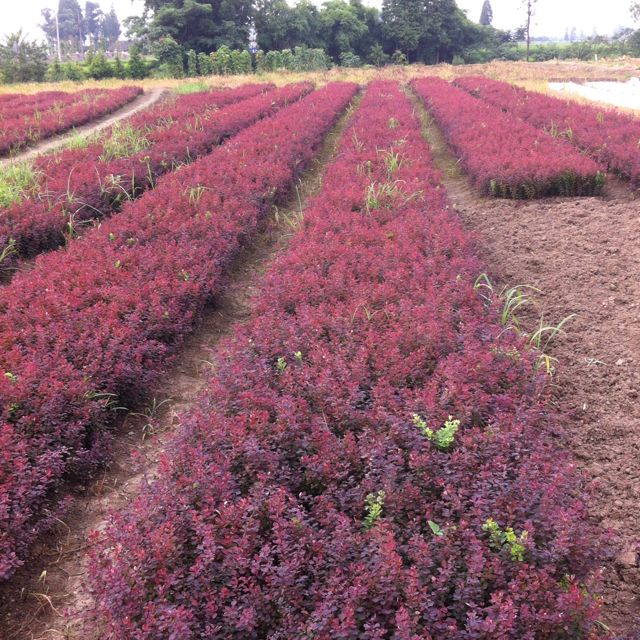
[[429, 31], [202, 25], [635, 10], [22, 60], [71, 23], [486, 15], [272, 20], [136, 67], [170, 55], [93, 19], [49, 28], [341, 28], [305, 25], [111, 28], [137, 29]]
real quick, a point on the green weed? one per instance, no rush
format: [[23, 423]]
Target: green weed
[[374, 503], [18, 181]]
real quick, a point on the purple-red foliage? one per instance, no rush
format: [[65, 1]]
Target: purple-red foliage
[[55, 113], [505, 156], [79, 185], [255, 529], [97, 321], [609, 136]]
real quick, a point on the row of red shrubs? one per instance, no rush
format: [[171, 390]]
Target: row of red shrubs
[[78, 185], [15, 105], [609, 136], [58, 114], [93, 325], [505, 156], [312, 494]]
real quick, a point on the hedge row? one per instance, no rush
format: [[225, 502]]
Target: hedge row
[[609, 136], [80, 185], [74, 339], [373, 459], [504, 156], [44, 119]]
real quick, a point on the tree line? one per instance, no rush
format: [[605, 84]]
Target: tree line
[[428, 31]]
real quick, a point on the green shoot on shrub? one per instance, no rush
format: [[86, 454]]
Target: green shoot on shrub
[[506, 539], [444, 437], [373, 508]]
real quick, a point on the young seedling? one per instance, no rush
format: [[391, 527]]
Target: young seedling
[[506, 539], [435, 528], [444, 437], [374, 502], [150, 416]]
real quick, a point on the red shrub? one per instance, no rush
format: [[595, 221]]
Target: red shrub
[[257, 526], [78, 185], [505, 156], [31, 121], [98, 320], [609, 136]]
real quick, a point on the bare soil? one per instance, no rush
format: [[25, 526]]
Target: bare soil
[[49, 597], [55, 142], [584, 256]]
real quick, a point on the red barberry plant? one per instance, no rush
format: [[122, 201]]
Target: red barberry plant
[[24, 122], [374, 458], [504, 156], [609, 136], [94, 324]]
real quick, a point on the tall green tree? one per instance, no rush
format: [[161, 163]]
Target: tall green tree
[[71, 24], [22, 60], [202, 25], [341, 28], [49, 28], [111, 28], [305, 25], [272, 20], [486, 15], [93, 19], [428, 31]]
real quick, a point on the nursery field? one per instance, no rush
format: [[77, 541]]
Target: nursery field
[[322, 359]]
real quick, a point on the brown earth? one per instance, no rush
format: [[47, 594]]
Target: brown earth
[[49, 597], [584, 256], [55, 142]]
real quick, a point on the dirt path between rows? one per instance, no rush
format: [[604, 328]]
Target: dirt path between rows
[[36, 605], [55, 142], [584, 256]]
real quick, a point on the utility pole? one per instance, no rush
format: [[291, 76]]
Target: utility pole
[[58, 39]]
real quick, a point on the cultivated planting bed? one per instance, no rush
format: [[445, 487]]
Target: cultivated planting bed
[[374, 458], [505, 156], [610, 137], [26, 119], [93, 325], [80, 185]]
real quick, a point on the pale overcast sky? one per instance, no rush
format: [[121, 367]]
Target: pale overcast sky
[[552, 16]]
